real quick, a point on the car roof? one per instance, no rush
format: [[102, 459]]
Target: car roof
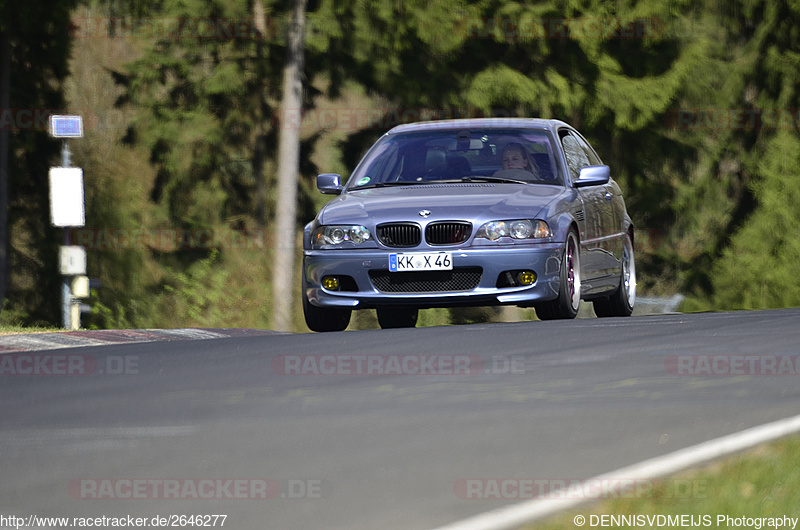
[[510, 123]]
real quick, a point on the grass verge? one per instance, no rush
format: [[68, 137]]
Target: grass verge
[[736, 492], [17, 330]]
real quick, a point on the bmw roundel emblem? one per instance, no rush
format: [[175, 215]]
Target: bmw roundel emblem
[[424, 213]]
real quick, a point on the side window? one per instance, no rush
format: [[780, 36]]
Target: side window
[[590, 154], [575, 154]]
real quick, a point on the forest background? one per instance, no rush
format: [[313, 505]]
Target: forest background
[[693, 103]]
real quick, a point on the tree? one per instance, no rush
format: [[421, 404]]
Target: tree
[[207, 113], [203, 97], [744, 127], [759, 269], [34, 50], [288, 166], [5, 99]]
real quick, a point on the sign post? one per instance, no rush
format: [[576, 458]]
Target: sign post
[[67, 210]]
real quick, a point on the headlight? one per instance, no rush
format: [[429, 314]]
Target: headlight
[[515, 229], [339, 234]]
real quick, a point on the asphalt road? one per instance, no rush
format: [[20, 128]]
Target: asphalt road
[[543, 401]]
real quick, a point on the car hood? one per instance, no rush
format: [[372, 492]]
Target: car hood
[[473, 201]]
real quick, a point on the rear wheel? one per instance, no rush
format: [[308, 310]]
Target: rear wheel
[[325, 318], [397, 317], [620, 304], [569, 294]]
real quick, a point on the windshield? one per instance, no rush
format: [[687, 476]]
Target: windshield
[[496, 155]]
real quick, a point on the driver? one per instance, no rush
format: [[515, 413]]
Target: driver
[[515, 156]]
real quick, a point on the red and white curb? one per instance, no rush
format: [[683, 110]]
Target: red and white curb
[[75, 339]]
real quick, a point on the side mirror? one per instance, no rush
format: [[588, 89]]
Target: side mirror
[[330, 183], [593, 176]]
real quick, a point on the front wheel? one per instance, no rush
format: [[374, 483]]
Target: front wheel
[[325, 318], [569, 293], [620, 304], [397, 317]]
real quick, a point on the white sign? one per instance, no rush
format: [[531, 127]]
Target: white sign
[[72, 260], [66, 196], [80, 286]]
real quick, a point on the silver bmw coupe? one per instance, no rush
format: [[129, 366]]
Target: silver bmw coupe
[[470, 213]]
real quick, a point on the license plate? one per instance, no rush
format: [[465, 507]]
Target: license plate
[[420, 261]]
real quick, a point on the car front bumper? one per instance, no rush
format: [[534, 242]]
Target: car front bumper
[[362, 266]]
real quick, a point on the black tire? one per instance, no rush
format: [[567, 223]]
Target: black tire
[[569, 293], [620, 304], [397, 317], [325, 318]]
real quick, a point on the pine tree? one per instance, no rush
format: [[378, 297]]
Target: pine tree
[[205, 93], [35, 43], [759, 269]]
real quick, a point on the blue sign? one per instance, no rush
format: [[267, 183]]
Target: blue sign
[[66, 126]]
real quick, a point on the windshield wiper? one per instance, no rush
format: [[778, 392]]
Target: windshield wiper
[[478, 178], [388, 184], [493, 179]]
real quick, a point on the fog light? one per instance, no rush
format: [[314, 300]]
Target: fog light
[[330, 283], [526, 277]]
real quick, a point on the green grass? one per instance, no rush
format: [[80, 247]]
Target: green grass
[[763, 482], [15, 329]]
